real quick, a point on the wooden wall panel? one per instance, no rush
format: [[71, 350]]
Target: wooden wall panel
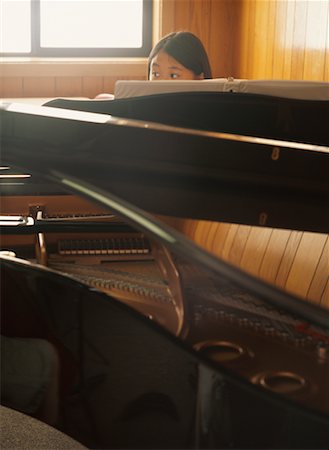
[[289, 33], [299, 40], [317, 28], [277, 45], [285, 39], [39, 87], [223, 32], [306, 261], [239, 243], [272, 259], [11, 87], [295, 261], [71, 78], [214, 22], [318, 285], [254, 249], [68, 86]]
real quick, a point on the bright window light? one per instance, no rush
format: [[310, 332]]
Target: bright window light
[[76, 28], [15, 26], [91, 23]]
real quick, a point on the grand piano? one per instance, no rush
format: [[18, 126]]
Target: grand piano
[[164, 344]]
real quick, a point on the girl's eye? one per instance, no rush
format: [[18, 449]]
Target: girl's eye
[[155, 74], [174, 75]]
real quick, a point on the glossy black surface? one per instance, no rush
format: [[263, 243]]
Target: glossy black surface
[[228, 112], [136, 385], [174, 171]]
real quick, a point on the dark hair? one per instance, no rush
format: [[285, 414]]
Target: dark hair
[[187, 49]]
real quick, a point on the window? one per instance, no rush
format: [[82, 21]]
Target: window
[[75, 27]]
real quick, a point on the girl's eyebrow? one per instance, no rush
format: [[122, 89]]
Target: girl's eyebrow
[[175, 68]]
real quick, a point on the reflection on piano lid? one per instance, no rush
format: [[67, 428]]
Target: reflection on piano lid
[[248, 114], [175, 171]]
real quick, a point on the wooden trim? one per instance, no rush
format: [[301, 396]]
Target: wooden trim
[[72, 67]]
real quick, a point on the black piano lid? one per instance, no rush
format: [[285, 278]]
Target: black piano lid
[[75, 161], [174, 171], [229, 112], [128, 165]]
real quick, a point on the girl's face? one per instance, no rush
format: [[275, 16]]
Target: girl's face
[[165, 67]]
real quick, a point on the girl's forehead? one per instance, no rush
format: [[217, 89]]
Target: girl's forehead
[[163, 58]]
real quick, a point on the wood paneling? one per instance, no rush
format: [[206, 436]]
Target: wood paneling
[[284, 39], [91, 86], [39, 87], [69, 86], [214, 22], [67, 79], [11, 87], [295, 261]]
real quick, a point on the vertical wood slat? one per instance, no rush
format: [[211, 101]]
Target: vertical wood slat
[[316, 36], [203, 233], [211, 235], [288, 39], [220, 238], [270, 39], [276, 247], [299, 40], [222, 34], [318, 284], [288, 258], [305, 262], [255, 249], [229, 240], [238, 246], [279, 43], [260, 50]]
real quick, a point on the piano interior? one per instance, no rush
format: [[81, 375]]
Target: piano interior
[[101, 251]]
